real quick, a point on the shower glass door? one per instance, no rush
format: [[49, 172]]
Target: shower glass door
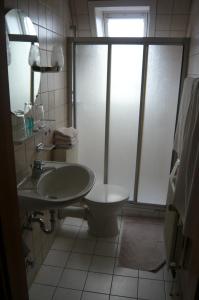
[[126, 99], [161, 99], [125, 88], [91, 80]]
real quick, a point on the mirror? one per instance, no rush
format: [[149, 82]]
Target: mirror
[[23, 82]]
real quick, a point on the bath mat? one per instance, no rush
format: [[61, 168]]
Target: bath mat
[[142, 245]]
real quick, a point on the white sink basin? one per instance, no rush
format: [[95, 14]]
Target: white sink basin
[[63, 186]]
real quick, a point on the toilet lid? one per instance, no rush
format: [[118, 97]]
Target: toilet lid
[[106, 193]]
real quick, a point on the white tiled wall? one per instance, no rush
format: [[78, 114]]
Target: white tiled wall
[[194, 34], [52, 21]]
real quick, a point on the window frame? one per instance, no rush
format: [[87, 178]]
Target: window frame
[[97, 8]]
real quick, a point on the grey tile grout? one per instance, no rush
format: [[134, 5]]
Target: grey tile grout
[[65, 265], [88, 269]]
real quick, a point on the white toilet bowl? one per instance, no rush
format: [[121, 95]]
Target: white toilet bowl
[[104, 203]]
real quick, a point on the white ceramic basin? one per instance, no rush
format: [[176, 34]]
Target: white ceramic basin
[[63, 186]]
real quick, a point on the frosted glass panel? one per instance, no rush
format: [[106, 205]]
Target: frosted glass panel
[[163, 77], [126, 74], [91, 77]]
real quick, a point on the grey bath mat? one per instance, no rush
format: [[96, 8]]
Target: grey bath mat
[[142, 244]]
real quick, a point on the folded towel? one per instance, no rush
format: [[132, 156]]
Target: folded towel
[[63, 140], [65, 146], [64, 131]]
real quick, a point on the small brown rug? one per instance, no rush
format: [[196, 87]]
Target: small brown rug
[[142, 245]]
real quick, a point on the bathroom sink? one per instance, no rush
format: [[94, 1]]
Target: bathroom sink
[[64, 185]]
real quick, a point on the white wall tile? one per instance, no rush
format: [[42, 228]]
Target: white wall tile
[[163, 22], [179, 22], [181, 6], [83, 22]]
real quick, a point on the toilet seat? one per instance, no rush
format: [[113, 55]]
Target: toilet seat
[[107, 194]]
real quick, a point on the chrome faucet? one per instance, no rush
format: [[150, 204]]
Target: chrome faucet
[[38, 168], [42, 147]]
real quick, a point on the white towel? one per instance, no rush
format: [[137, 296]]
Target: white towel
[[66, 132], [186, 198], [63, 140], [184, 105]]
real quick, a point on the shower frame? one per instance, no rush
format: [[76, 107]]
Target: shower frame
[[71, 88]]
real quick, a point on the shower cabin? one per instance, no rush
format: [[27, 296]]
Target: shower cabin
[[123, 99]]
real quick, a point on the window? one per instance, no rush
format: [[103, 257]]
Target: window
[[127, 18], [125, 25]]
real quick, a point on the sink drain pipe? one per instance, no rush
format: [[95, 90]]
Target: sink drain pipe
[[33, 218], [72, 211]]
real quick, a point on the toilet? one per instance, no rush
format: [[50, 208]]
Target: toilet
[[103, 206]]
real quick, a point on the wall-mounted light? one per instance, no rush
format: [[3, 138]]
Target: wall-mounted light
[[57, 60]]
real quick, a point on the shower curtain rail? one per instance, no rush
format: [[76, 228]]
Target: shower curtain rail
[[126, 41]]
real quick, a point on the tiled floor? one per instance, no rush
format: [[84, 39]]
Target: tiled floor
[[81, 267]]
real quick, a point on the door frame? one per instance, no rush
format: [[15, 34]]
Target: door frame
[[12, 266]]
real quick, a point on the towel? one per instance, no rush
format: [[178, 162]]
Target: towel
[[184, 105], [66, 132], [186, 198], [63, 140], [65, 137]]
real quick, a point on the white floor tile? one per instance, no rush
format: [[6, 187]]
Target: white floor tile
[[124, 286], [121, 298], [48, 275], [79, 261], [151, 275], [151, 289], [73, 279], [125, 271], [61, 243], [64, 294], [73, 221], [109, 240], [94, 296], [83, 234], [41, 292], [102, 264], [106, 249], [56, 258], [99, 283], [68, 231], [84, 246]]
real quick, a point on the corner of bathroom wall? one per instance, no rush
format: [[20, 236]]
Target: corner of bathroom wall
[[52, 21]]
